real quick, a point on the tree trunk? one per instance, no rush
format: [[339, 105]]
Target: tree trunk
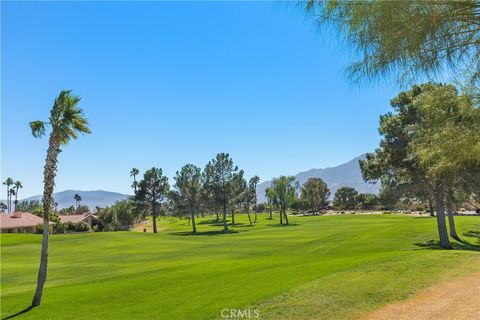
[[271, 213], [194, 227], [16, 199], [255, 220], [249, 218], [281, 217], [451, 221], [154, 220], [233, 217], [49, 172], [430, 205], [225, 227], [441, 225], [286, 218], [216, 212]]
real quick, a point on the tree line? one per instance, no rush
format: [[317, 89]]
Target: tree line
[[12, 191]]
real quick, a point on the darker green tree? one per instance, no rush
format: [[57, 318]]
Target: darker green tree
[[345, 198]]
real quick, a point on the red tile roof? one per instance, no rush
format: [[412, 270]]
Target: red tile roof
[[19, 220], [73, 218]]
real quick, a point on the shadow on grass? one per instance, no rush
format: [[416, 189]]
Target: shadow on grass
[[460, 245], [472, 234], [18, 313], [204, 233], [243, 225], [283, 225], [211, 221]]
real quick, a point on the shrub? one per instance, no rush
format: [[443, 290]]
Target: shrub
[[420, 209], [477, 210], [386, 212], [60, 228], [39, 228], [81, 227]]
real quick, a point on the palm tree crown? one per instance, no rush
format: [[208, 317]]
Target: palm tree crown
[[66, 119]]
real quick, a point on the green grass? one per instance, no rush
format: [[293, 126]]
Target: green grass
[[332, 267]]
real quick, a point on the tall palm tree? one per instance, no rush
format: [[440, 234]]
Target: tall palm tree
[[10, 194], [133, 173], [254, 181], [8, 183], [77, 200], [18, 185], [66, 121]]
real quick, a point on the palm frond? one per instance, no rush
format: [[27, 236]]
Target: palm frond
[[38, 128]]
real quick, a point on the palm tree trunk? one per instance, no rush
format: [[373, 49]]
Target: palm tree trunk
[[49, 172], [451, 221], [9, 202], [16, 198], [438, 194]]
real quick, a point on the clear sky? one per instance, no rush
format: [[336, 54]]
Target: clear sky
[[165, 84]]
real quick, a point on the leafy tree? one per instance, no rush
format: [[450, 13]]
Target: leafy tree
[[285, 194], [248, 195], [188, 193], [315, 192], [119, 217], [271, 200], [3, 207], [133, 173], [152, 191], [238, 189], [446, 141], [66, 121], [428, 140], [345, 198], [18, 185], [253, 182], [366, 201], [33, 206], [77, 199], [405, 38], [219, 177], [80, 209], [8, 182]]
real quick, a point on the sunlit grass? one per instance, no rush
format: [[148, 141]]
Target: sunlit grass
[[332, 267]]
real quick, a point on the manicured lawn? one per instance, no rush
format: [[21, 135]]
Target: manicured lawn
[[333, 267]]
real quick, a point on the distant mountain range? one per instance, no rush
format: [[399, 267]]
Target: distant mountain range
[[91, 199], [344, 175]]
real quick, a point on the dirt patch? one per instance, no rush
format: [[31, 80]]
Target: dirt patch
[[454, 300]]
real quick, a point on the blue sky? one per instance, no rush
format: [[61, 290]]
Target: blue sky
[[165, 84]]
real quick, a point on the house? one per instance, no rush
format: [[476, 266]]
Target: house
[[88, 218], [19, 222]]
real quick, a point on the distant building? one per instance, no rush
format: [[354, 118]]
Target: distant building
[[19, 222], [79, 218]]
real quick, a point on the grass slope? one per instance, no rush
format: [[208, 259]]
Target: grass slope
[[330, 267]]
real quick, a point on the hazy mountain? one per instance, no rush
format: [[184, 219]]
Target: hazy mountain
[[99, 198], [344, 175]]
